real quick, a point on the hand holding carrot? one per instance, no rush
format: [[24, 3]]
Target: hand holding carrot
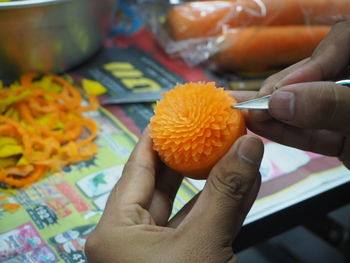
[[135, 226], [307, 111]]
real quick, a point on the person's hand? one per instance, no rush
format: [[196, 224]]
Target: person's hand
[[135, 226], [306, 110]]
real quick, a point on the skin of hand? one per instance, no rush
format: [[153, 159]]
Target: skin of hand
[[306, 110], [135, 225]]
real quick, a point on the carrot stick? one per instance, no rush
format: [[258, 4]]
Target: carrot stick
[[210, 18], [7, 130], [258, 49], [20, 171], [93, 104], [26, 80], [69, 91], [11, 207], [40, 105], [38, 172], [21, 133], [92, 126], [25, 113]]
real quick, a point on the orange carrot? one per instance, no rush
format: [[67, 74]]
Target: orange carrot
[[69, 92], [194, 126], [26, 80], [261, 48], [198, 19], [11, 207], [34, 176], [210, 18], [19, 132], [92, 127]]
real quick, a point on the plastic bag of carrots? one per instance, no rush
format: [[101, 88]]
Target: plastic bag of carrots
[[248, 35], [42, 128]]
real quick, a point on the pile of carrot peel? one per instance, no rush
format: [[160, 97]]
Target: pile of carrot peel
[[42, 128]]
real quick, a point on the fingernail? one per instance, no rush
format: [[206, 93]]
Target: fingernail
[[282, 105], [249, 150]]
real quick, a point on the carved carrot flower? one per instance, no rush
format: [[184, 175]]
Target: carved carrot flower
[[194, 126]]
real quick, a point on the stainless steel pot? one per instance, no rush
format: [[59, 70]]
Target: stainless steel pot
[[50, 35]]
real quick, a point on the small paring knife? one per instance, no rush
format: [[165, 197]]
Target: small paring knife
[[263, 102]]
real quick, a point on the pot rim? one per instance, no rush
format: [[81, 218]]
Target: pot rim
[[29, 3]]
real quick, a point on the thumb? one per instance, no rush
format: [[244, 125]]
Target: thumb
[[314, 105], [229, 192]]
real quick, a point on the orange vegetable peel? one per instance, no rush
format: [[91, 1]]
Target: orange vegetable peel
[[43, 129]]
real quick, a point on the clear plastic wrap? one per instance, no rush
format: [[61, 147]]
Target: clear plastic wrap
[[244, 35]]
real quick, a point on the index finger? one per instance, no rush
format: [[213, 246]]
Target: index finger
[[137, 183], [328, 60], [242, 95]]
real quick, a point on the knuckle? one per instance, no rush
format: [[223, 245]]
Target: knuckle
[[283, 136], [319, 104], [327, 97], [331, 106], [270, 82], [136, 214], [312, 141], [139, 167], [229, 185], [333, 103]]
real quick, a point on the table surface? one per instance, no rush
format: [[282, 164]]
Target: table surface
[[60, 211]]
